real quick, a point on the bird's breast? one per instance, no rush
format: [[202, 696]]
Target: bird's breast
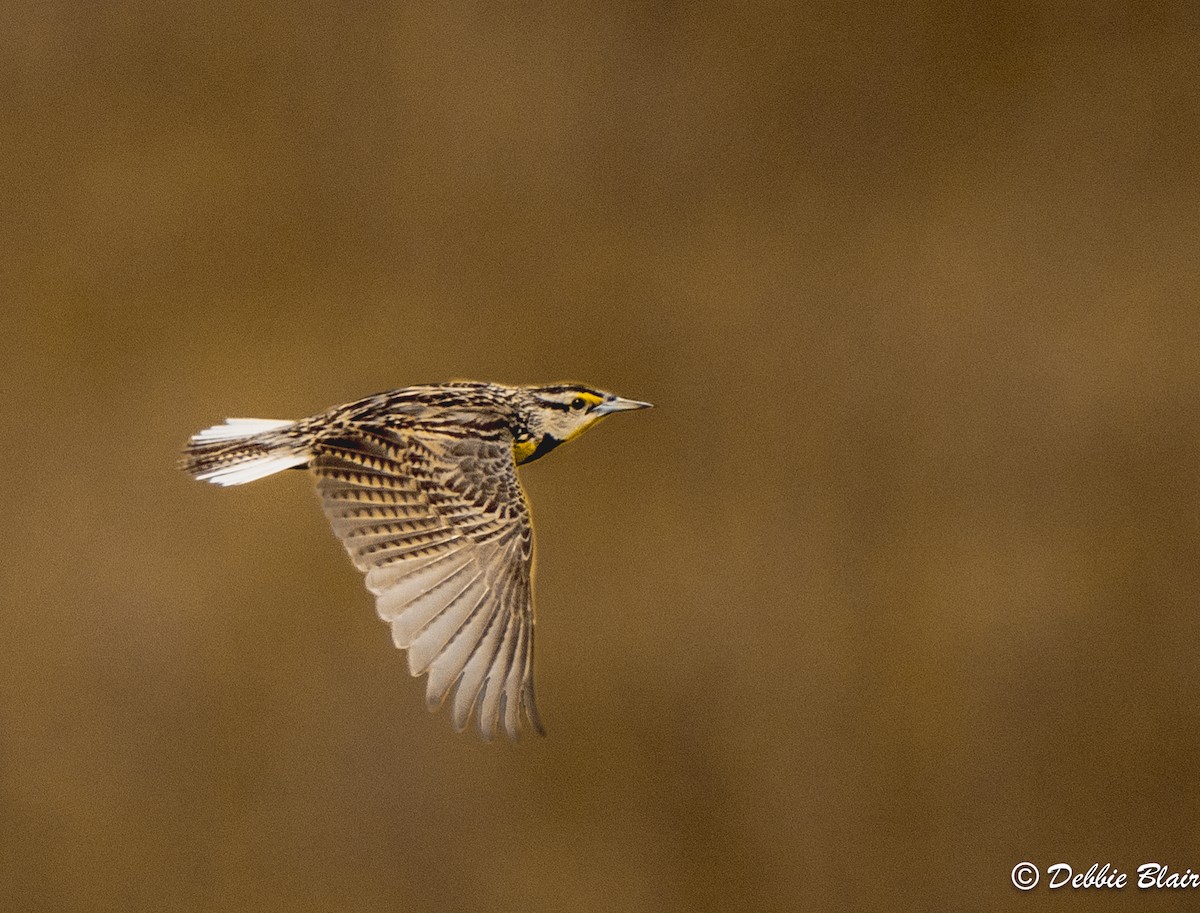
[[534, 448]]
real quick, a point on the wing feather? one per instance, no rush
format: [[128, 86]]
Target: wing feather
[[474, 671], [440, 526], [512, 687], [421, 599], [432, 639], [493, 687]]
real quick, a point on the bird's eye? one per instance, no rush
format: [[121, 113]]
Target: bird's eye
[[578, 403]]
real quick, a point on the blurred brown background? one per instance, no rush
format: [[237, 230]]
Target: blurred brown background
[[896, 588]]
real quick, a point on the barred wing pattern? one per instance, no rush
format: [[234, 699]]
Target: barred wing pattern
[[439, 523]]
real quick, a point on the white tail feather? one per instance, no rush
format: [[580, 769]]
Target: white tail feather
[[251, 470], [238, 468], [238, 427]]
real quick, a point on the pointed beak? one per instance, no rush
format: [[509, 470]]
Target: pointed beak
[[620, 405]]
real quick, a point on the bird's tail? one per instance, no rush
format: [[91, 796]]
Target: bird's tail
[[242, 450]]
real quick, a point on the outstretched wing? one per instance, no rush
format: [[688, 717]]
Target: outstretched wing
[[440, 525]]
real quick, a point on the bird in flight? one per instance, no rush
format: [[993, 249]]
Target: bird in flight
[[421, 486]]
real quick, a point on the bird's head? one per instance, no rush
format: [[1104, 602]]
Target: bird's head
[[559, 413]]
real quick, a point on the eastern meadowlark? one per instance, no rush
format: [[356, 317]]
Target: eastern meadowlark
[[420, 484]]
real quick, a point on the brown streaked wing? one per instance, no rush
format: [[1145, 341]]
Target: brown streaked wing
[[439, 524]]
